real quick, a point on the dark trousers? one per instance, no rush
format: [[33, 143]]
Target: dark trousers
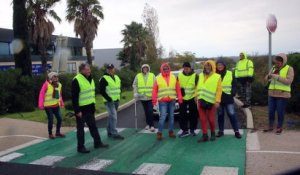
[[245, 92], [56, 112], [276, 104], [191, 117], [89, 119], [148, 109]]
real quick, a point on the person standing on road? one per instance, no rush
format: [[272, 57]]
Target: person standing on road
[[110, 89], [50, 99], [227, 101], [209, 91], [165, 88], [142, 88], [188, 81], [280, 77], [83, 100], [244, 73]]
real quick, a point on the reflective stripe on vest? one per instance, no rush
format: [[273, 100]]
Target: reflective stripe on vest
[[242, 69], [49, 100], [87, 90], [165, 90], [113, 89], [188, 83], [145, 88], [227, 82], [276, 85], [207, 90]]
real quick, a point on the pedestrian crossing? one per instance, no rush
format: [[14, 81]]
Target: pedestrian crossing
[[139, 153]]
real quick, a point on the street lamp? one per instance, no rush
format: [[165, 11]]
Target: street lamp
[[271, 27]]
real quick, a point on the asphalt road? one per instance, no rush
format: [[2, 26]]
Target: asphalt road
[[126, 119]]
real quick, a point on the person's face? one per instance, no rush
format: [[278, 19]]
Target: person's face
[[166, 69], [111, 71], [54, 78], [86, 71], [207, 68], [220, 67], [145, 70], [277, 63], [242, 56], [187, 70]]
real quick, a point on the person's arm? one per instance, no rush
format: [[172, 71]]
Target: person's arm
[[102, 84], [196, 79], [219, 91], [233, 86], [289, 78], [178, 91], [134, 85], [154, 93], [75, 96], [61, 101], [250, 68], [42, 95]]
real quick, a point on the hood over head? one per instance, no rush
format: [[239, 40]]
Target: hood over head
[[245, 55], [283, 56], [225, 68], [162, 71], [212, 63], [145, 65]]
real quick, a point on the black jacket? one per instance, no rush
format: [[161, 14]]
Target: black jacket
[[75, 98], [102, 86]]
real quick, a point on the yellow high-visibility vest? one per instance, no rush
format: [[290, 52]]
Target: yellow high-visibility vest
[[113, 89], [227, 82], [145, 88], [244, 68], [276, 85], [165, 90], [188, 83], [87, 90], [49, 100], [207, 90]]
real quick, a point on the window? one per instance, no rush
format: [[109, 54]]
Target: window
[[72, 68], [4, 48]]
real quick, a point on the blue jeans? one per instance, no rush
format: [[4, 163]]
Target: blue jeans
[[164, 108], [276, 104], [56, 112], [112, 108], [229, 108]]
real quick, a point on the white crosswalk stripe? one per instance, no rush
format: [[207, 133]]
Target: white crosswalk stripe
[[48, 160], [152, 169], [10, 157], [212, 170], [97, 164]]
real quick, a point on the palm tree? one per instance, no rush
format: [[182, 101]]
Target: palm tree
[[135, 37], [86, 15], [40, 27], [22, 58]]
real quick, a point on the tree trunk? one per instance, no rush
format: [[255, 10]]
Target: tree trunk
[[22, 59], [89, 56], [43, 52]]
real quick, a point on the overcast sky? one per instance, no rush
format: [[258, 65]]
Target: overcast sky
[[208, 28]]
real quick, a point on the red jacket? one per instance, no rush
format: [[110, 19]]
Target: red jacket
[[166, 76]]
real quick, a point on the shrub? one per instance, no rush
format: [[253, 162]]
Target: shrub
[[259, 94], [127, 76]]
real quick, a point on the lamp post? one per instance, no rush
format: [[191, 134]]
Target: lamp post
[[271, 27]]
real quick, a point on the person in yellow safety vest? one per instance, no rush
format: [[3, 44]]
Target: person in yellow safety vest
[[280, 79], [244, 73], [165, 89], [227, 101], [209, 91], [110, 89], [142, 88], [188, 81], [84, 100], [50, 99]]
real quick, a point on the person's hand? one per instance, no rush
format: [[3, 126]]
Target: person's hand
[[180, 101], [136, 96], [41, 107], [275, 76], [217, 105], [79, 114]]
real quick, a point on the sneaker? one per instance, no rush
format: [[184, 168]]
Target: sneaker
[[147, 127], [268, 130], [109, 135], [59, 135], [51, 136], [118, 137], [152, 129], [278, 131], [213, 136], [204, 138], [82, 150], [220, 134], [159, 136], [171, 134], [192, 132], [237, 135], [101, 145], [184, 134]]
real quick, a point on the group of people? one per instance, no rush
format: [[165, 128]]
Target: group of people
[[199, 96]]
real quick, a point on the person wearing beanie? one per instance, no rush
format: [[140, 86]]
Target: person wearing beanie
[[50, 100], [280, 79], [142, 89], [188, 81], [244, 73], [209, 91], [227, 101]]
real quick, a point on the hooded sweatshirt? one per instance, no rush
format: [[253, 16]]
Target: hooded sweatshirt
[[227, 99], [287, 81], [249, 79], [206, 76], [135, 83], [166, 76]]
